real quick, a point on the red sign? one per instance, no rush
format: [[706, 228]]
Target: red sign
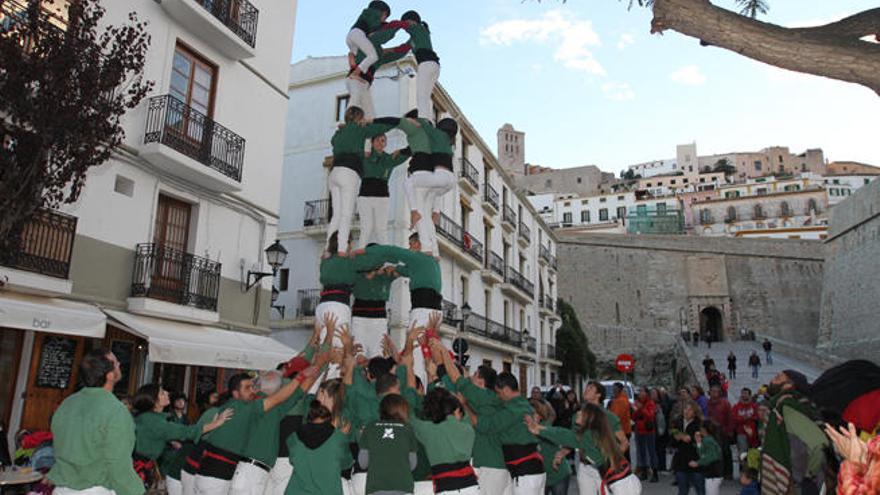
[[625, 363]]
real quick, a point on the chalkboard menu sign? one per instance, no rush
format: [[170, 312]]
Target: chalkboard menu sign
[[124, 352], [206, 382], [56, 362]]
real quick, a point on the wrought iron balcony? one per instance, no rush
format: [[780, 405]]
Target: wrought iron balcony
[[470, 174], [509, 216], [44, 245], [484, 327], [516, 279], [531, 344], [460, 238], [182, 128], [450, 311], [175, 276], [549, 351], [549, 303], [240, 16], [495, 263], [544, 253], [317, 212], [490, 196], [306, 302], [525, 233]]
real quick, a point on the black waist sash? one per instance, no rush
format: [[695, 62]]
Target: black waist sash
[[349, 160], [442, 160], [453, 476], [374, 187], [425, 297], [218, 463], [421, 162], [365, 308], [523, 459], [336, 293], [426, 55]]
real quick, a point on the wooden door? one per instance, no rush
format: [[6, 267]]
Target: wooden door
[[53, 376], [193, 83], [170, 237], [523, 379], [10, 354], [129, 351]]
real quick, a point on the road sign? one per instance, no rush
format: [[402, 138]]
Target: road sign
[[625, 363]]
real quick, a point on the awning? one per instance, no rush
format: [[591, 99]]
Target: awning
[[199, 345], [49, 314]]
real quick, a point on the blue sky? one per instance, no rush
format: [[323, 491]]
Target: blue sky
[[589, 85]]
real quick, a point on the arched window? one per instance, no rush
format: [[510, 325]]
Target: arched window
[[705, 216], [784, 209], [759, 212], [812, 207], [731, 214]]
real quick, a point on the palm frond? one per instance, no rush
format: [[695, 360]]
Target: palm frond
[[752, 8]]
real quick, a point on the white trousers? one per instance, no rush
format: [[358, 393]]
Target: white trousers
[[357, 40], [427, 488], [631, 485], [95, 490], [424, 191], [188, 483], [346, 487], [369, 332], [588, 479], [494, 481], [374, 220], [360, 96], [344, 187], [173, 486], [532, 484], [713, 485], [420, 316], [471, 490], [279, 477], [249, 480], [428, 75], [342, 312], [206, 485], [359, 480]]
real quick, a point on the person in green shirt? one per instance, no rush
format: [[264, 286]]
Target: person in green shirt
[[154, 429], [369, 323], [518, 444], [358, 38], [373, 199], [387, 447], [228, 444], [94, 434], [429, 62], [319, 452], [557, 468], [710, 458], [589, 478], [185, 463], [348, 167], [358, 85]]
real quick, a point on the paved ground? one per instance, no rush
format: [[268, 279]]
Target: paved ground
[[664, 487]]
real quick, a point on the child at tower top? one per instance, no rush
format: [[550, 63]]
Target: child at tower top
[[370, 20], [429, 62]]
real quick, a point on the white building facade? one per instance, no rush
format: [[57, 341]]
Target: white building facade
[[497, 255], [152, 262]]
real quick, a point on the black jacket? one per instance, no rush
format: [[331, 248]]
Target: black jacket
[[685, 452]]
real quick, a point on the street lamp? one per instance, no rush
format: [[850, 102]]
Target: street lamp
[[276, 255], [460, 345], [279, 307]]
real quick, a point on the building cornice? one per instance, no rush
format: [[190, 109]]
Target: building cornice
[[759, 196]]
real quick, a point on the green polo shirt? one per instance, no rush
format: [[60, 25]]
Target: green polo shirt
[[377, 288], [368, 21], [361, 402], [153, 430], [317, 470], [568, 438], [379, 165], [389, 444], [485, 403], [440, 142], [263, 442], [423, 270], [508, 423], [93, 440], [451, 440], [350, 138], [233, 435], [548, 452], [343, 270], [419, 37], [416, 137]]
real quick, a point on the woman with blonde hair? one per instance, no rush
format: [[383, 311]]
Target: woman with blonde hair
[[683, 438]]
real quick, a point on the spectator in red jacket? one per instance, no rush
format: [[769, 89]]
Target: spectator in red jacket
[[745, 422], [645, 417], [720, 414]]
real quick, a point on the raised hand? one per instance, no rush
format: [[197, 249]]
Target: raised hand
[[434, 320], [534, 427], [848, 444], [330, 321]]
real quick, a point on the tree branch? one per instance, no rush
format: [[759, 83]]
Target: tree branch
[[833, 50]]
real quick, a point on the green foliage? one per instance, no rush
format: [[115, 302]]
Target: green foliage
[[572, 347], [724, 165]]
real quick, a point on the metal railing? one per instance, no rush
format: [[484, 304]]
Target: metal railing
[[525, 233], [516, 279], [307, 301], [531, 344], [240, 16], [549, 351], [317, 212], [450, 313], [14, 22], [495, 263], [44, 245], [177, 125], [175, 276], [548, 302], [470, 173], [490, 195], [462, 239], [509, 215], [484, 327]]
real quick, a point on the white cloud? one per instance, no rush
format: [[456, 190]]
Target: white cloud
[[618, 91], [625, 40], [688, 75], [572, 38]]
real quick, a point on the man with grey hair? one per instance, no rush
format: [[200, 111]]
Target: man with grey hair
[[252, 473]]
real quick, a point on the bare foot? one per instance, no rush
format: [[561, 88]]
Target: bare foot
[[358, 251], [414, 217], [343, 254]]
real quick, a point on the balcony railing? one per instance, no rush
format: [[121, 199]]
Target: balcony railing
[[484, 327], [509, 215], [490, 195], [450, 313], [544, 253], [495, 263], [470, 173], [317, 212], [548, 302], [14, 22], [240, 16], [44, 245], [175, 276], [516, 279], [531, 344], [306, 302], [177, 125], [525, 233], [458, 236]]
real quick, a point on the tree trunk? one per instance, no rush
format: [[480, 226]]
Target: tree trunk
[[834, 50]]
